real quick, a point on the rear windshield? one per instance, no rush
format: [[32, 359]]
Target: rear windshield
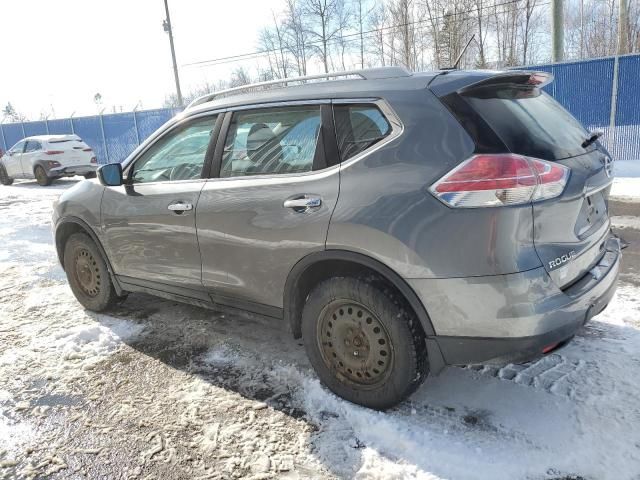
[[530, 122]]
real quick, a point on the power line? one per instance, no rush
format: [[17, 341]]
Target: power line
[[260, 53]]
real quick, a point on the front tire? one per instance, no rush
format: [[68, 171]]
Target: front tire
[[5, 179], [41, 177], [364, 343], [88, 274]]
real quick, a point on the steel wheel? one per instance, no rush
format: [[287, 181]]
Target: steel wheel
[[41, 177], [87, 273], [354, 343]]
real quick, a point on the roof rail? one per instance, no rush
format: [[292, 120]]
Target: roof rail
[[365, 74]]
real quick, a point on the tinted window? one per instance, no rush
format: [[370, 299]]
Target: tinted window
[[358, 127], [530, 122], [33, 146], [274, 140], [179, 155]]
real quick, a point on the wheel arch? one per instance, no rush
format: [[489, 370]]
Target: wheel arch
[[315, 267], [66, 227]]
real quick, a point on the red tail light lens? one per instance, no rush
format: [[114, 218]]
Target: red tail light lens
[[54, 152], [94, 160], [494, 180]]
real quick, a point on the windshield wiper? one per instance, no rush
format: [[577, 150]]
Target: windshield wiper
[[592, 138]]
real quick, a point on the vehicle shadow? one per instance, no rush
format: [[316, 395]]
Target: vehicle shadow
[[535, 411]]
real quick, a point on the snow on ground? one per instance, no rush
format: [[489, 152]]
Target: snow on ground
[[626, 184], [167, 391]]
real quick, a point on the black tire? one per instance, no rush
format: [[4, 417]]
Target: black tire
[[5, 179], [41, 176], [370, 322], [88, 274], [90, 175]]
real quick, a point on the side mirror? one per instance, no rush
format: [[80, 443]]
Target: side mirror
[[110, 175]]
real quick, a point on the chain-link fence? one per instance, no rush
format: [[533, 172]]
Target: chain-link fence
[[602, 93], [113, 137]]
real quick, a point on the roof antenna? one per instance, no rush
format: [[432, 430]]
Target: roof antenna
[[455, 65]]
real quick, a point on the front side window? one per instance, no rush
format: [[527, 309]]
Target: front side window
[[179, 155], [18, 147], [358, 127], [271, 141]]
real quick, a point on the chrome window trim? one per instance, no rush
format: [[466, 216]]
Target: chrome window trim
[[397, 129]]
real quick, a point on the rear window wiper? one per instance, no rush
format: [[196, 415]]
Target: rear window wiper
[[592, 138]]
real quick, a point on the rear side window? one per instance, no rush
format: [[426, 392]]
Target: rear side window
[[271, 141], [530, 122], [358, 127], [33, 146]]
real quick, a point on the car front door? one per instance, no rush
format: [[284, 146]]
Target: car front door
[[31, 151], [12, 158], [148, 224], [270, 205]]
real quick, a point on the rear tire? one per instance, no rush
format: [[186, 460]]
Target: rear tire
[[5, 179], [41, 177], [88, 274], [365, 345]]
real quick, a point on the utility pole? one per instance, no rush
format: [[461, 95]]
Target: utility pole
[[166, 24], [623, 27], [557, 28]]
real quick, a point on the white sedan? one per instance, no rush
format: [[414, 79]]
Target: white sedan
[[47, 157]]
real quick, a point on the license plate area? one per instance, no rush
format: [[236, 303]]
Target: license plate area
[[593, 213]]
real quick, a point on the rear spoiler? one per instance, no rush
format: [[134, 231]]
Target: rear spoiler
[[462, 82]]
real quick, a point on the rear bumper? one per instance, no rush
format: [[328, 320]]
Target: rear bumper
[[71, 170], [511, 318]]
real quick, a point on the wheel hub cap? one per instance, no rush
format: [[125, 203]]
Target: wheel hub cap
[[87, 273], [354, 343]]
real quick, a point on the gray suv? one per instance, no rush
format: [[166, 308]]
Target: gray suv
[[396, 222]]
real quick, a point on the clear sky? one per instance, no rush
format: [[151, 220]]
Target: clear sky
[[60, 53]]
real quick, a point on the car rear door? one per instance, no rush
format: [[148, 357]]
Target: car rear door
[[148, 224], [32, 149], [271, 203], [12, 160]]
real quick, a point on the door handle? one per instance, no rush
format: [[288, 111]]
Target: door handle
[[304, 203], [179, 207]]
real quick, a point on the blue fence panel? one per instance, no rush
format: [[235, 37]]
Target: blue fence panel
[[626, 143], [584, 88], [150, 120], [88, 128], [12, 134], [35, 128], [60, 126], [120, 134]]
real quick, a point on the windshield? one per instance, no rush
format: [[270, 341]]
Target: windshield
[[530, 122]]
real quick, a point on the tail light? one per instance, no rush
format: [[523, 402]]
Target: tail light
[[54, 152], [87, 150], [494, 180], [94, 160]]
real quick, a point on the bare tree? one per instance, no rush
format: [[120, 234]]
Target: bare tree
[[239, 77], [295, 33], [402, 17], [324, 26]]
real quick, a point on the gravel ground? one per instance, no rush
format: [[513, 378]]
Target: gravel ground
[[161, 390]]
